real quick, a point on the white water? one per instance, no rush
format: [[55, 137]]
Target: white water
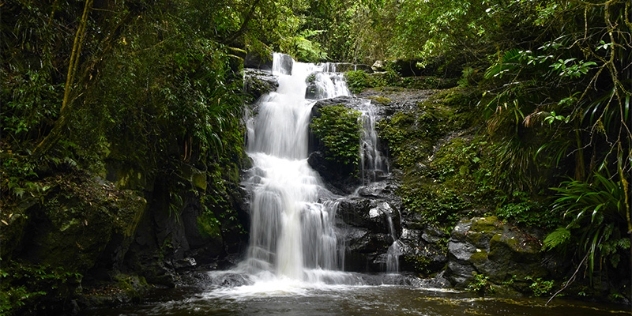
[[371, 160], [394, 250], [292, 237]]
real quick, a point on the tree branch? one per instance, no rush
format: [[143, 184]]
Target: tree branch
[[244, 24], [73, 64]]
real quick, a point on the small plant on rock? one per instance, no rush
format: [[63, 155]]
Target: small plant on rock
[[481, 285], [539, 286]]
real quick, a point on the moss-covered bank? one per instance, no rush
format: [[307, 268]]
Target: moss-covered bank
[[451, 161]]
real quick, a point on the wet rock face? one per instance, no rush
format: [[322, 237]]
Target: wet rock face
[[365, 219], [484, 245], [259, 82], [286, 64], [395, 100], [425, 252], [370, 214], [258, 62], [368, 227]]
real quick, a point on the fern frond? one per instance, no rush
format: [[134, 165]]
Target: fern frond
[[556, 238]]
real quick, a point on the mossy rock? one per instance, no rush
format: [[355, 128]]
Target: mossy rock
[[338, 129], [380, 100], [515, 247], [479, 256], [126, 176], [482, 230], [440, 160], [502, 290], [133, 286], [125, 288], [485, 224]]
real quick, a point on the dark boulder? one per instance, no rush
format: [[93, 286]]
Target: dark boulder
[[375, 215], [258, 62], [425, 256], [485, 245], [259, 82]]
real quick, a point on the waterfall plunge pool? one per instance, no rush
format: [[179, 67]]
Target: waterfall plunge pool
[[289, 297]]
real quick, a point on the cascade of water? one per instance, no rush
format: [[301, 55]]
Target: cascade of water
[[394, 250], [371, 160], [291, 231], [326, 83]]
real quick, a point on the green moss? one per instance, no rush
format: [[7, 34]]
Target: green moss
[[380, 99], [497, 238], [208, 225], [339, 130], [478, 239], [199, 180], [126, 176], [479, 257], [389, 89], [358, 80], [484, 224], [445, 176], [133, 286]]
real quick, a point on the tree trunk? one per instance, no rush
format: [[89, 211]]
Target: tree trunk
[[66, 106]]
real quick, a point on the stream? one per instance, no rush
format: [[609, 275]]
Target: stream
[[271, 299]]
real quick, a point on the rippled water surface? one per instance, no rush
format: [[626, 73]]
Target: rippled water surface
[[284, 298]]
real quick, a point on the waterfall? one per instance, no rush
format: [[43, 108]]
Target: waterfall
[[291, 231], [395, 249], [371, 161]]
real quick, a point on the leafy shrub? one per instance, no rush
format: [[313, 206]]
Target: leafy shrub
[[25, 287], [594, 213], [539, 286], [520, 209], [357, 80], [481, 285]]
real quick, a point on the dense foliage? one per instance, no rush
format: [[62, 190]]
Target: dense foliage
[[147, 94], [153, 89], [556, 84]]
